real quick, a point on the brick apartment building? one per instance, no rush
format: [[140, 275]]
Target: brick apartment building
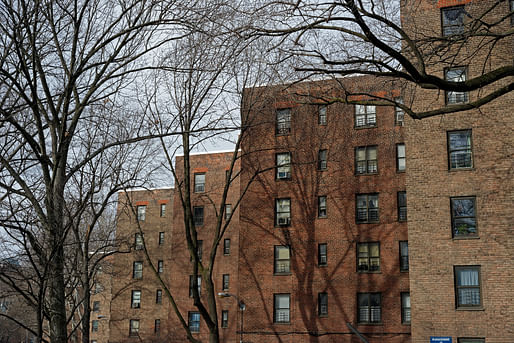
[[460, 188], [138, 305], [321, 244], [330, 220]]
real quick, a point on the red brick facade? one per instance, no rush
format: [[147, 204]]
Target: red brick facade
[[340, 183], [432, 185]]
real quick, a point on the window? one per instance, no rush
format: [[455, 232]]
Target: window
[[198, 281], [228, 211], [404, 256], [137, 270], [453, 20], [467, 284], [367, 208], [322, 115], [94, 326], [199, 182], [405, 308], [402, 206], [158, 296], [226, 281], [282, 259], [283, 160], [161, 238], [459, 149], [369, 308], [224, 319], [368, 257], [194, 321], [283, 212], [138, 241], [96, 306], [134, 327], [463, 217], [98, 287], [226, 246], [283, 121], [400, 157], [471, 340], [365, 116], [366, 160], [399, 115], [281, 306], [162, 213], [322, 159], [322, 206], [135, 299], [322, 304], [455, 75], [160, 266], [157, 326], [322, 254], [198, 215], [141, 213]]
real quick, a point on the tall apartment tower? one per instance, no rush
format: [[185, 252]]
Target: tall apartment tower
[[323, 228], [460, 184], [139, 308]]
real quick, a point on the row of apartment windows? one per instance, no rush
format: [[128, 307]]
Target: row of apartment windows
[[137, 269], [366, 208], [369, 307], [366, 161], [198, 214], [135, 300], [467, 295], [460, 156], [368, 257], [134, 327], [365, 116], [138, 240], [141, 212]]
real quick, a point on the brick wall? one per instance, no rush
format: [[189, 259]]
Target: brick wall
[[339, 183]]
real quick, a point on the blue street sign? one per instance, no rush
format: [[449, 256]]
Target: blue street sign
[[440, 339]]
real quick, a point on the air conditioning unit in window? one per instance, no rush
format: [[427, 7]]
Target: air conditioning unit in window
[[284, 221], [284, 175]]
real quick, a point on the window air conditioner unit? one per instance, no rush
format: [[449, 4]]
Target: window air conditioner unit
[[284, 221], [284, 175]]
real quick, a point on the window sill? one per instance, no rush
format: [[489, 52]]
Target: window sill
[[282, 274], [322, 265], [371, 324], [283, 179], [282, 323], [366, 174], [322, 315], [400, 171], [461, 238], [324, 217], [452, 170], [406, 324], [477, 308], [404, 271], [369, 272], [365, 127], [377, 222]]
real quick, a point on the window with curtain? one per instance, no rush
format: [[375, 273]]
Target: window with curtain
[[467, 283]]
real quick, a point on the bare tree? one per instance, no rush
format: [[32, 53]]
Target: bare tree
[[389, 39], [64, 65]]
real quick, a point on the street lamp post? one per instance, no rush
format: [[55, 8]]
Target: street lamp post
[[242, 307]]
